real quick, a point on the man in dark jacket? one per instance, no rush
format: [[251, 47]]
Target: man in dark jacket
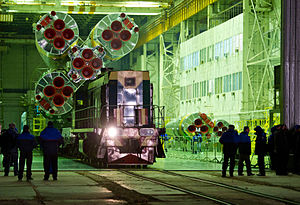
[[260, 149], [296, 136], [26, 143], [281, 150], [50, 140], [229, 139], [9, 138], [245, 152]]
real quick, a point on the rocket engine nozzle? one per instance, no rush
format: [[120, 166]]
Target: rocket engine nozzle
[[224, 129], [58, 100], [49, 91], [78, 63], [198, 122], [220, 124], [87, 54], [59, 24], [59, 43], [49, 33], [87, 72], [58, 82], [96, 63], [116, 44], [191, 128], [203, 129], [216, 129], [107, 35], [67, 91], [125, 35], [219, 133], [68, 34], [116, 26]]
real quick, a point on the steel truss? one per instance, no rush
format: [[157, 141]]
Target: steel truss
[[261, 52]]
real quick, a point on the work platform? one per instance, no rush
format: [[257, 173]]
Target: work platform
[[79, 183]]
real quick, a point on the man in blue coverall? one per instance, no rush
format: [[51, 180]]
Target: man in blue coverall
[[230, 140], [50, 140], [26, 143]]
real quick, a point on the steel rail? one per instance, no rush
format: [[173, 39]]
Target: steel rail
[[175, 187], [232, 188]]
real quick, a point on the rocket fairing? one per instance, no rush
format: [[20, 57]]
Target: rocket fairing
[[55, 34]]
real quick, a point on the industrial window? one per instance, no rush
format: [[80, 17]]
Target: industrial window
[[230, 46], [218, 85], [197, 58], [197, 87], [217, 51], [221, 49], [194, 90], [240, 80], [203, 55], [189, 92], [210, 53], [225, 83], [226, 47], [224, 53], [235, 81]]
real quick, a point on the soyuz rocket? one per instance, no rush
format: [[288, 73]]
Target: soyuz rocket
[[70, 63]]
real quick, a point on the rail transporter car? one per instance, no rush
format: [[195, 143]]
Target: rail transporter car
[[115, 121]]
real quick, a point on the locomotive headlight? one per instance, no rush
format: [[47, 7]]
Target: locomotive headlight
[[112, 132], [146, 132]]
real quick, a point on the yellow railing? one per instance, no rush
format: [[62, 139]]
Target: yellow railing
[[39, 123]]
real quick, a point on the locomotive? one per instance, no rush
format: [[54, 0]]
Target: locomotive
[[115, 121]]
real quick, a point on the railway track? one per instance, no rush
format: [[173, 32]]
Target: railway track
[[177, 188], [247, 195], [232, 187]]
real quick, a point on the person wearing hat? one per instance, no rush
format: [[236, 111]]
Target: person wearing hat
[[260, 149], [230, 140]]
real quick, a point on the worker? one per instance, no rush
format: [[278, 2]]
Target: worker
[[281, 150], [50, 140], [26, 143], [9, 149], [260, 149], [229, 139], [296, 137], [244, 152]]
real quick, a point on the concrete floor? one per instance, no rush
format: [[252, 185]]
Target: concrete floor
[[79, 183]]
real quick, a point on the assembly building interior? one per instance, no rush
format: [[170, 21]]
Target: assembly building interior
[[135, 82]]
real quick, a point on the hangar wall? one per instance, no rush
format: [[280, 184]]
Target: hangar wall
[[18, 66]]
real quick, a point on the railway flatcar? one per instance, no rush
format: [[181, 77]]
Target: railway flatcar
[[115, 121]]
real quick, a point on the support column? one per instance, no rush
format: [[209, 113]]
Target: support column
[[161, 70], [290, 61], [144, 57]]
